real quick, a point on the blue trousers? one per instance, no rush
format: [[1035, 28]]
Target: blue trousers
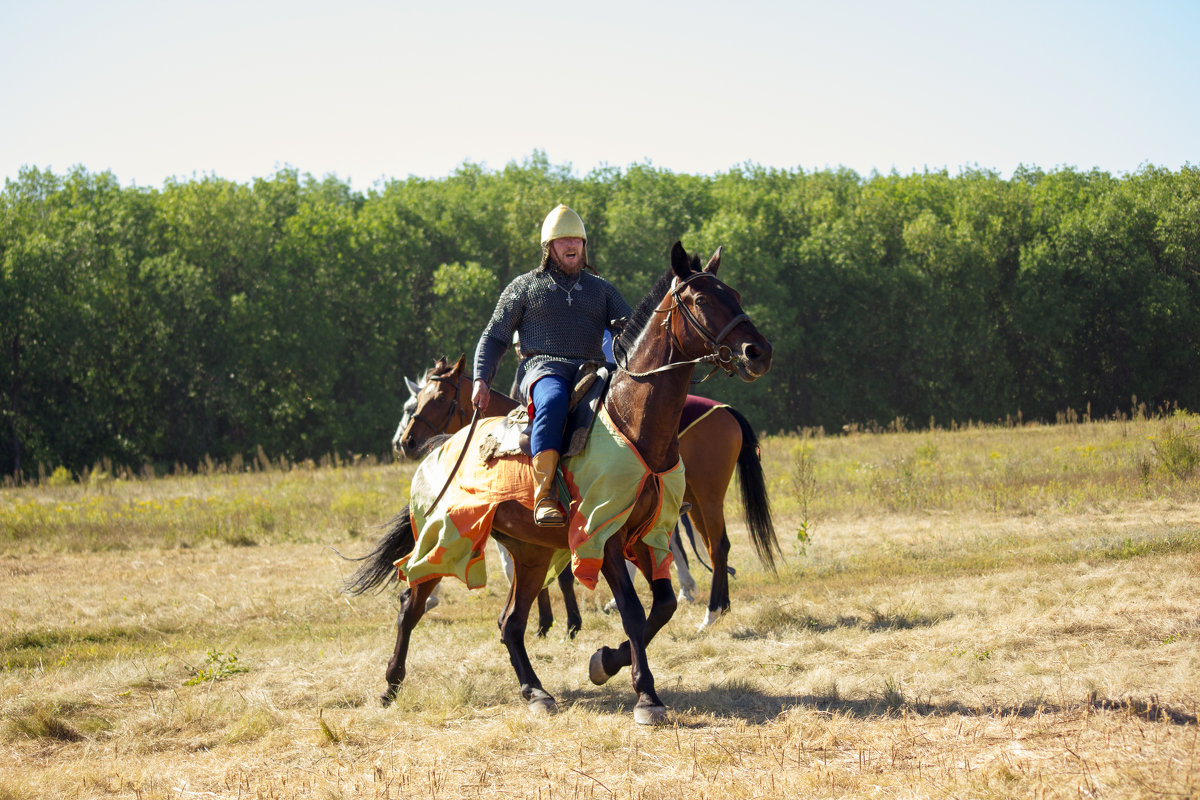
[[550, 397]]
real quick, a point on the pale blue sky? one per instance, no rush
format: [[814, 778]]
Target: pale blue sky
[[375, 90]]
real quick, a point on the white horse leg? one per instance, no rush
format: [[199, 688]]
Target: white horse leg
[[687, 584], [506, 561], [710, 618]]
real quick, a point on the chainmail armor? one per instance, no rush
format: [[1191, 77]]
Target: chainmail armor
[[552, 331]]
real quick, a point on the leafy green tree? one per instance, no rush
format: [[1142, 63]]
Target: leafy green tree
[[210, 318], [466, 294]]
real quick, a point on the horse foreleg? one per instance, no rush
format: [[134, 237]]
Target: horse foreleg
[[631, 568], [530, 566], [412, 606], [607, 661], [566, 583]]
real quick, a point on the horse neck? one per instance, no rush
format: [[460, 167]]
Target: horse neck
[[498, 405], [647, 409]]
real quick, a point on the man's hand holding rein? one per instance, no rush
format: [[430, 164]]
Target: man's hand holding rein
[[481, 394]]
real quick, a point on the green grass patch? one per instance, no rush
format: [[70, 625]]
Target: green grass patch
[[297, 505], [1150, 545], [55, 647], [53, 722]]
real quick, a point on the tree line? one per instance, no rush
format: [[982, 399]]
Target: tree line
[[209, 318]]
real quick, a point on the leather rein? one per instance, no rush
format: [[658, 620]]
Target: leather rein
[[454, 408], [720, 355]]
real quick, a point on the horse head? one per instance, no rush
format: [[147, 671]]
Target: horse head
[[436, 406], [410, 408], [710, 325]]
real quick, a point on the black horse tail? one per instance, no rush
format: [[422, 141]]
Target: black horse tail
[[378, 567], [755, 502]]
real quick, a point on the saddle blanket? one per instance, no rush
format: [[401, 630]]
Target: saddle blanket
[[696, 408], [604, 481]]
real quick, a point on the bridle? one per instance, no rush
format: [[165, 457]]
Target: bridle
[[720, 355], [444, 425], [454, 408]]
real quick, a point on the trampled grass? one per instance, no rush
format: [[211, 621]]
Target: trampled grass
[[985, 612]]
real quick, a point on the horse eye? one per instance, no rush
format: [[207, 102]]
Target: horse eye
[[701, 300]]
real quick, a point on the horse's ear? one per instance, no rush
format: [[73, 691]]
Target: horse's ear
[[414, 388], [460, 364], [714, 263], [679, 261]]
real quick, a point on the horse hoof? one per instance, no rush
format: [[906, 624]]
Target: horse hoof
[[650, 715], [386, 699], [710, 618], [596, 669], [610, 606], [686, 597], [542, 704]]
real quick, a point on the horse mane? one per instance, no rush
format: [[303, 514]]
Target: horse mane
[[645, 309]]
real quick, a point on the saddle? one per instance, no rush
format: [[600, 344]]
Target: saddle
[[511, 437]]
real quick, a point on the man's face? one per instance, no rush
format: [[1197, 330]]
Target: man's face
[[568, 253]]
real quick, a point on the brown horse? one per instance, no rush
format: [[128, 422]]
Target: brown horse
[[671, 331], [441, 404], [710, 448]]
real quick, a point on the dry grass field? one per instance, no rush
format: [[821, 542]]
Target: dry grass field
[[986, 612]]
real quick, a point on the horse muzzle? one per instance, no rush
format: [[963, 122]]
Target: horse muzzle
[[753, 360], [405, 448]]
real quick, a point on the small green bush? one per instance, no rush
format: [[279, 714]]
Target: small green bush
[[1177, 448], [60, 477]]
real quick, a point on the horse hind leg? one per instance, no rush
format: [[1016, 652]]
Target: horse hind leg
[[566, 584], [545, 613], [687, 584], [413, 604], [530, 566], [718, 597], [709, 521], [710, 452]]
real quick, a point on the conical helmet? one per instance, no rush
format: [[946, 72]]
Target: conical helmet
[[561, 223]]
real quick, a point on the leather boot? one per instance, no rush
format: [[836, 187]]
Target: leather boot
[[546, 510]]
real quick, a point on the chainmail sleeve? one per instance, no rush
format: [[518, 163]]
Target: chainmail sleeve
[[498, 333], [617, 307]]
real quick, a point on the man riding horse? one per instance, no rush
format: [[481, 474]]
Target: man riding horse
[[559, 311]]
